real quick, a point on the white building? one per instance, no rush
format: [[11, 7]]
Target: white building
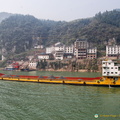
[[32, 65], [113, 51], [69, 49], [43, 56], [59, 51], [39, 46], [110, 68], [50, 49], [59, 47]]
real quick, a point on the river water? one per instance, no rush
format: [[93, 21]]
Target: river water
[[38, 101]]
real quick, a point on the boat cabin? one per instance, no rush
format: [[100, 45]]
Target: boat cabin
[[110, 68]]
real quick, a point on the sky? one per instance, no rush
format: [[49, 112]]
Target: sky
[[58, 10]]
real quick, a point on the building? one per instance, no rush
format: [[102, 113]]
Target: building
[[38, 46], [113, 51], [68, 55], [110, 68], [50, 50], [92, 53], [84, 50], [59, 51], [45, 56], [69, 49], [81, 49], [32, 65]]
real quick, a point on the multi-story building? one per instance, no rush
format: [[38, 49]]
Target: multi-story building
[[69, 49], [50, 50], [81, 49], [59, 51], [113, 51], [92, 53]]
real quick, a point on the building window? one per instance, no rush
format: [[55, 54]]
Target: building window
[[104, 72], [111, 72], [115, 72], [111, 67]]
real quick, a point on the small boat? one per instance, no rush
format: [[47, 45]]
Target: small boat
[[26, 70]]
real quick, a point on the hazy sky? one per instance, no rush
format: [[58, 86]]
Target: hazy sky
[[58, 9]]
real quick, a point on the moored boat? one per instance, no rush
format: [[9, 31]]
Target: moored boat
[[110, 77]]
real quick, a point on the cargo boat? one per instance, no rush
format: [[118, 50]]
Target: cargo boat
[[110, 77]]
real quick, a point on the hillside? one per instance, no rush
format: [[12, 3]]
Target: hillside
[[20, 33], [4, 15]]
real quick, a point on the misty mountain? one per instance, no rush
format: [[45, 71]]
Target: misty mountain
[[117, 10], [20, 33], [4, 15]]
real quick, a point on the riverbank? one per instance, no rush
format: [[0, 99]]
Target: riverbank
[[63, 70], [86, 65]]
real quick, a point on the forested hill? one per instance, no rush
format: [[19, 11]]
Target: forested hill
[[4, 15], [20, 33]]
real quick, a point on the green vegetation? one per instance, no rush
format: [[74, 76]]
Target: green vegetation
[[20, 33]]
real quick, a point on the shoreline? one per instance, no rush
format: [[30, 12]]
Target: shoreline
[[62, 70], [59, 70]]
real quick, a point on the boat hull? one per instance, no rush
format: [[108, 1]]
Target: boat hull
[[98, 81]]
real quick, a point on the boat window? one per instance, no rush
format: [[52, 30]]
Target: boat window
[[110, 77], [118, 68], [116, 78]]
